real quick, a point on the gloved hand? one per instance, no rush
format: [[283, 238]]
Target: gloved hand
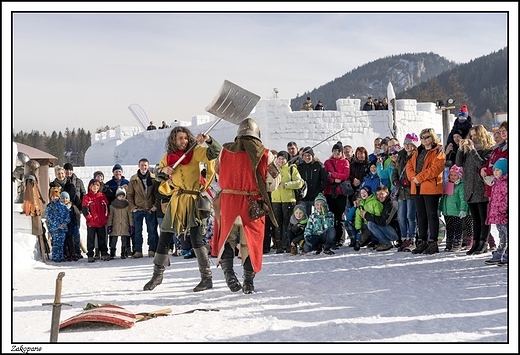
[[131, 230], [109, 229], [462, 214]]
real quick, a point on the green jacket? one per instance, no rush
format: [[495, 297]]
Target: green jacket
[[292, 182], [371, 205]]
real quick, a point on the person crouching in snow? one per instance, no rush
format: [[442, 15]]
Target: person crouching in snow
[[498, 212], [297, 224], [320, 231], [384, 226], [57, 219]]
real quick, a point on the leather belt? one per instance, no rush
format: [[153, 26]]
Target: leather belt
[[239, 192]]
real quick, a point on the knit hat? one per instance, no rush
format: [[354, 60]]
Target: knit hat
[[93, 181], [338, 145], [300, 207], [120, 191], [321, 198], [99, 172], [367, 188], [308, 150], [458, 170], [65, 195], [411, 138], [463, 111], [501, 164], [117, 167], [283, 153], [68, 166], [394, 149]]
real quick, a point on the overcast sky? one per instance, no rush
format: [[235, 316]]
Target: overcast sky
[[84, 69]]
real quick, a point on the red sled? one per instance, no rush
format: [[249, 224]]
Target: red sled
[[108, 314]]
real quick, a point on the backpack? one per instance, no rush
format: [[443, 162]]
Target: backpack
[[301, 192]]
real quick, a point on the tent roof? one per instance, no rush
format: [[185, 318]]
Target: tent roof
[[34, 153]]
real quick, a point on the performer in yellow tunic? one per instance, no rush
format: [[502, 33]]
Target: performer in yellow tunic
[[182, 213]]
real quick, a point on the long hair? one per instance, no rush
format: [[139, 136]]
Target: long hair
[[171, 146], [483, 137]]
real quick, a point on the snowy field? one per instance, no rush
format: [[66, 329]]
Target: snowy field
[[374, 301]]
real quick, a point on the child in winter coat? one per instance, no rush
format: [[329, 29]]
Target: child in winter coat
[[69, 250], [120, 223], [319, 230], [372, 180], [95, 209], [454, 208], [57, 219], [498, 212], [297, 224], [371, 204]]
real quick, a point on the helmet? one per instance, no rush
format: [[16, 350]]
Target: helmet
[[248, 127], [31, 167], [21, 159]]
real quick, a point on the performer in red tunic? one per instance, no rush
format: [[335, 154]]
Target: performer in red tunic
[[242, 169]]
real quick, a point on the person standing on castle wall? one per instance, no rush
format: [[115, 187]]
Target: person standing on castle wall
[[369, 104], [307, 105], [151, 127], [319, 106], [164, 125]]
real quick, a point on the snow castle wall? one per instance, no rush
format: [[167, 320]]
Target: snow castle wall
[[279, 125]]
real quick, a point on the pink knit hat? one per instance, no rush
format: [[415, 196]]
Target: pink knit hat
[[458, 170], [411, 138]]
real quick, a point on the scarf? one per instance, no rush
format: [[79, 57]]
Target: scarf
[[172, 158]]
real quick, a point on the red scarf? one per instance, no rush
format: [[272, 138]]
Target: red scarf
[[172, 158]]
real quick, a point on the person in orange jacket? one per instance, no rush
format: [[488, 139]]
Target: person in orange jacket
[[424, 170]]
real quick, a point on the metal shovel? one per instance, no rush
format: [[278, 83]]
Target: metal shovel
[[232, 103]]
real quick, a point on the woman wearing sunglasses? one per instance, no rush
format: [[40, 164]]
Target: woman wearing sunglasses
[[424, 170]]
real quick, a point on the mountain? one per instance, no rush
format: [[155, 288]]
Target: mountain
[[481, 84], [404, 71]]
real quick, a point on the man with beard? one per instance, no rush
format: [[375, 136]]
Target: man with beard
[[182, 213]]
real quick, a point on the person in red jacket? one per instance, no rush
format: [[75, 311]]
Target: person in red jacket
[[95, 209]]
